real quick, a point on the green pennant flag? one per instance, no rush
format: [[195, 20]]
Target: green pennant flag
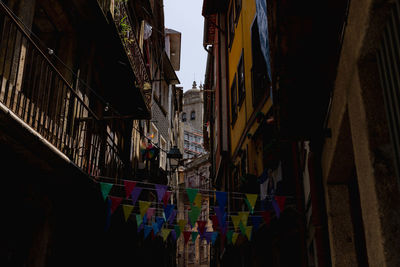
[[127, 211], [139, 220], [191, 192], [105, 189], [143, 206], [234, 238], [251, 201], [177, 231], [229, 235], [244, 215], [165, 233], [235, 221], [248, 232], [194, 236], [194, 214], [242, 228]]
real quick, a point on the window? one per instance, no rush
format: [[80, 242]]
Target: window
[[163, 154], [193, 115], [184, 116], [238, 8], [233, 101], [241, 85], [259, 72], [231, 24]]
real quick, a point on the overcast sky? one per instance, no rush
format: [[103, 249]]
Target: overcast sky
[[185, 16]]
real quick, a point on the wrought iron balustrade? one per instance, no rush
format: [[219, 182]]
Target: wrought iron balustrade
[[33, 89]]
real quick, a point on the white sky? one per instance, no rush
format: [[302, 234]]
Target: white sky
[[185, 16]]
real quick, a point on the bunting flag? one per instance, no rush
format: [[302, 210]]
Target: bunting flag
[[166, 197], [143, 206], [214, 237], [168, 210], [244, 215], [155, 228], [135, 194], [235, 221], [267, 216], [197, 201], [186, 236], [251, 201], [182, 224], [141, 227], [105, 189], [281, 202], [173, 234], [115, 201], [221, 215], [208, 236], [248, 232], [194, 214], [177, 231], [201, 226], [221, 199], [160, 222], [242, 228], [161, 189], [194, 236], [150, 212], [138, 220], [127, 211], [256, 220], [165, 233], [229, 235], [214, 220], [276, 208], [192, 192], [129, 186], [172, 216], [145, 219], [147, 230], [234, 238]]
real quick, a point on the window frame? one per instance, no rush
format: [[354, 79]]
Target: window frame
[[184, 117], [241, 85], [231, 24], [234, 112]]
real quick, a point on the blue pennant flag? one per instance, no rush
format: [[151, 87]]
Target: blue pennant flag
[[147, 230], [221, 199], [256, 220]]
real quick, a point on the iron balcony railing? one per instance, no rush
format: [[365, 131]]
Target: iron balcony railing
[[33, 89]]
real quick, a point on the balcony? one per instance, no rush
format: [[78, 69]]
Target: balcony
[[34, 90]]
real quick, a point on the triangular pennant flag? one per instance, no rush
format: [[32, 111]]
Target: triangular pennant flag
[[165, 233], [135, 194], [177, 231], [143, 206], [127, 211], [276, 208], [161, 189], [172, 217], [281, 202], [214, 220], [192, 192], [235, 221], [155, 228], [150, 212], [105, 189], [194, 236], [160, 222], [197, 201], [145, 219], [194, 214], [256, 220], [138, 220], [147, 230], [186, 235], [229, 235], [244, 215], [168, 210], [248, 232], [221, 199], [234, 238], [267, 216], [221, 215], [252, 198], [166, 197], [129, 185], [201, 225], [140, 228], [115, 201], [173, 234], [182, 224], [242, 228], [207, 236], [214, 237]]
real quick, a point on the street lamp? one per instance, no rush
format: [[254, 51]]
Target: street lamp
[[174, 156]]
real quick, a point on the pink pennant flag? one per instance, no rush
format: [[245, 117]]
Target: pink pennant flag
[[115, 201], [129, 186], [150, 212]]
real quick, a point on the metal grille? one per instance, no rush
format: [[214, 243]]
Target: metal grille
[[388, 58]]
